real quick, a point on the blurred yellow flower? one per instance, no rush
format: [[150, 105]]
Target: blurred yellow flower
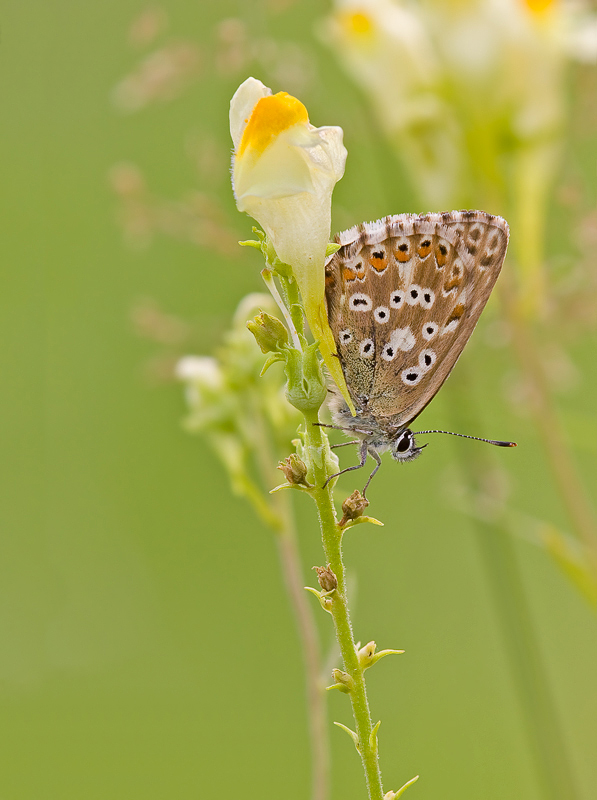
[[538, 6], [284, 171], [387, 49]]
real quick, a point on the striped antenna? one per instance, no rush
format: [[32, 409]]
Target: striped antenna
[[465, 436]]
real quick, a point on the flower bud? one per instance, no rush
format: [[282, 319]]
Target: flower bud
[[368, 657], [270, 334], [327, 579], [365, 654], [353, 507], [294, 469], [306, 388], [343, 680]]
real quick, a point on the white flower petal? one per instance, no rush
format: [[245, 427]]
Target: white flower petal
[[244, 100], [200, 370], [284, 171]]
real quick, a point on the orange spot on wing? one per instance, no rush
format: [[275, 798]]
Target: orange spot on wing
[[349, 274], [424, 248], [451, 283], [403, 255], [441, 255], [456, 313], [378, 264]]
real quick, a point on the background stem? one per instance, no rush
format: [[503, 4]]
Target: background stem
[[546, 739], [550, 431], [295, 582]]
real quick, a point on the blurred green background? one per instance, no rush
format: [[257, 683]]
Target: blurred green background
[[147, 648]]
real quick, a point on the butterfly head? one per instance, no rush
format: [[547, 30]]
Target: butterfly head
[[404, 447]]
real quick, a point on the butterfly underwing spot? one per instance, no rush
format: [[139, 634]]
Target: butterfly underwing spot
[[449, 327], [367, 348], [493, 244], [403, 250], [490, 252], [345, 336], [474, 235], [388, 353], [411, 376], [378, 261], [400, 339], [453, 319], [441, 253], [455, 280], [429, 330], [427, 359], [457, 312], [381, 314], [396, 299], [427, 298], [360, 302], [353, 271], [413, 294], [424, 248]]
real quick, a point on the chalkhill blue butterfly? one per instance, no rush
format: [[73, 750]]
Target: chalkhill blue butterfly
[[403, 297]]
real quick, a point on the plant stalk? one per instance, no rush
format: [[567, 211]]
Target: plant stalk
[[316, 442]]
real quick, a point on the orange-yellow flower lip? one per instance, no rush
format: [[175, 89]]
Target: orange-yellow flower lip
[[271, 116], [356, 23], [539, 6]]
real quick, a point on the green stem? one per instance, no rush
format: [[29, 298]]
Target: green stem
[[533, 172], [294, 304], [317, 445], [268, 278]]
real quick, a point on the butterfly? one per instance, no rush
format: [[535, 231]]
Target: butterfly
[[403, 297]]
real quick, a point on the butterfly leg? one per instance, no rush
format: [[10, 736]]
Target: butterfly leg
[[350, 469], [340, 428], [343, 444], [375, 455]]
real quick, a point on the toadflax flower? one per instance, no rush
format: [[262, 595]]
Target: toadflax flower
[[385, 46], [283, 172]]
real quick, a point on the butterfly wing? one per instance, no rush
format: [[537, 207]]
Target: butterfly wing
[[404, 295]]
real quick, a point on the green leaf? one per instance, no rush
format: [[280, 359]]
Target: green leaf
[[352, 735]]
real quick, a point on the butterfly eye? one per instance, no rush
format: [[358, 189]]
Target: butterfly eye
[[404, 442]]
